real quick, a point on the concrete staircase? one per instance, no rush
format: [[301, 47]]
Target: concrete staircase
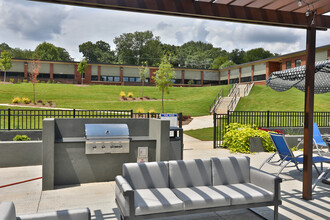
[[230, 102]]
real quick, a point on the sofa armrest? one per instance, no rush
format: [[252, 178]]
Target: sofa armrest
[[72, 214], [266, 181], [7, 211], [124, 187], [124, 196]]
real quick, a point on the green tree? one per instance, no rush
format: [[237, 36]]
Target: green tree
[[164, 76], [228, 63], [5, 62], [82, 69], [257, 54], [144, 70], [237, 56], [100, 52], [48, 51], [135, 48], [35, 66], [218, 62]]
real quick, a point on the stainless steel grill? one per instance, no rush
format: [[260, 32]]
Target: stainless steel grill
[[107, 138]]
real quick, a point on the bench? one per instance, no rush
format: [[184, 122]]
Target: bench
[[173, 188]]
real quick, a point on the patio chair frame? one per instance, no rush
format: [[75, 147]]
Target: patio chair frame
[[283, 162]]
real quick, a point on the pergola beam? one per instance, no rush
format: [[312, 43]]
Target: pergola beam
[[206, 10]]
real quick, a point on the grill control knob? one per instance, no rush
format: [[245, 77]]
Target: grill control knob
[[94, 147], [103, 146], [107, 132]]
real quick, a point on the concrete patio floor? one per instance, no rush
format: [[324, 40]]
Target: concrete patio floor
[[99, 197]]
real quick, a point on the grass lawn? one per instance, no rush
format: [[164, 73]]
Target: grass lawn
[[205, 134], [263, 98], [194, 101]]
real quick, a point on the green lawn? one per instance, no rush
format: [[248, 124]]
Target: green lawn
[[264, 98], [205, 134], [194, 101]]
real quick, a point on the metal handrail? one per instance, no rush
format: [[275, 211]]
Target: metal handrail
[[233, 101], [232, 89], [247, 89], [216, 100]]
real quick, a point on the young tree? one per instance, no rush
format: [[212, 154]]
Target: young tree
[[35, 66], [5, 62], [82, 69], [164, 77], [143, 74]]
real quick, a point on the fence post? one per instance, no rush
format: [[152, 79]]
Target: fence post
[[214, 130], [180, 120], [131, 113], [268, 119], [8, 118], [227, 117], [148, 115], [74, 113]]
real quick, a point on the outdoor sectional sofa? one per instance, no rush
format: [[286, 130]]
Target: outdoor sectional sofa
[[164, 189], [8, 212]]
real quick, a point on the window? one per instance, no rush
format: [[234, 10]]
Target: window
[[246, 79], [288, 64], [298, 62], [131, 79], [138, 79], [94, 78], [125, 79], [259, 77], [116, 79]]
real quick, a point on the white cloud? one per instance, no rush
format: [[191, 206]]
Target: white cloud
[[25, 24]]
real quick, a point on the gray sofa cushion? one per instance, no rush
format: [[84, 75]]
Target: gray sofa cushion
[[189, 173], [158, 200], [7, 211], [230, 170], [72, 214], [245, 193], [146, 175], [201, 197]]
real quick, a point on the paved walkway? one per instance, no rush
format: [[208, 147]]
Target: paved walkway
[[99, 197], [199, 122]]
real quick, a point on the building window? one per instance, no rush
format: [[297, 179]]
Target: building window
[[288, 64], [131, 79], [116, 78], [259, 77], [94, 78], [298, 62]]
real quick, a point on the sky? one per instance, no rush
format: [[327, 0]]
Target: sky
[[25, 24]]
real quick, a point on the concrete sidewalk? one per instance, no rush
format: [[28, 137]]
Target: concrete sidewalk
[[199, 122], [99, 197]]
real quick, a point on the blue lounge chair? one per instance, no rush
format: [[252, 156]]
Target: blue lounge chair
[[317, 139], [286, 155]]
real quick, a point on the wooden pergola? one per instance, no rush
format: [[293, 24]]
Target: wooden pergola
[[306, 14]]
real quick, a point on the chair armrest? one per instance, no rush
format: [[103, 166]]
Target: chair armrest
[[124, 187], [124, 196], [267, 181], [73, 214]]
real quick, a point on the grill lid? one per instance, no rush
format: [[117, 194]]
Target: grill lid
[[106, 130]]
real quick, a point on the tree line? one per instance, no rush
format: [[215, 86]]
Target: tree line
[[140, 48]]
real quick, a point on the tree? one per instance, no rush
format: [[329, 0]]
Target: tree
[[218, 62], [48, 51], [143, 74], [82, 69], [35, 66], [228, 63], [257, 54], [135, 48], [100, 52], [164, 77], [237, 56], [5, 62]]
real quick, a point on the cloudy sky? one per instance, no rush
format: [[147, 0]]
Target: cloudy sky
[[26, 24]]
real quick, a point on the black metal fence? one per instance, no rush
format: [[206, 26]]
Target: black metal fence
[[267, 119], [16, 119]]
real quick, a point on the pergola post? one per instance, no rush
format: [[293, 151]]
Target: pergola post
[[309, 110]]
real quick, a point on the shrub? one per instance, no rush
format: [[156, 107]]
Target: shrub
[[25, 81], [152, 111], [11, 80], [16, 100], [48, 81], [140, 110], [26, 100], [50, 102], [18, 81], [21, 138], [42, 81], [190, 82], [237, 138], [130, 95], [122, 94], [146, 97], [40, 101]]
